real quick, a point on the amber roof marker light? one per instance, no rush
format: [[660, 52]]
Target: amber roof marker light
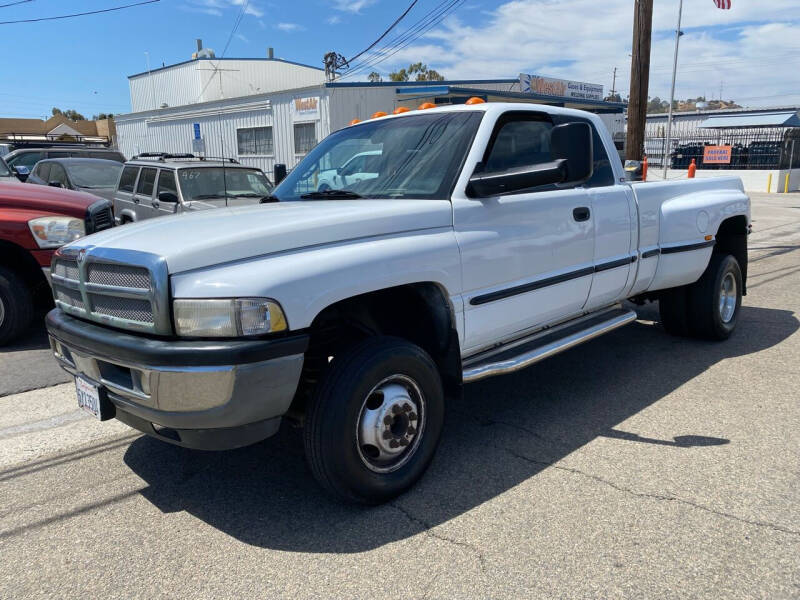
[[426, 106], [379, 114], [354, 122], [475, 100], [400, 110]]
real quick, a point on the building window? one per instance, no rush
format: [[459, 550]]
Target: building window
[[254, 140], [305, 137]]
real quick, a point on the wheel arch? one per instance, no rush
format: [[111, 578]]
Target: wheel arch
[[731, 238], [19, 260]]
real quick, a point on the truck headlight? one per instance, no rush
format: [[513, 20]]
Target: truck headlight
[[54, 232], [227, 317]]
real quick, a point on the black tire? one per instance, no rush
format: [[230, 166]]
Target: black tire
[[673, 307], [331, 434], [16, 306], [703, 298]]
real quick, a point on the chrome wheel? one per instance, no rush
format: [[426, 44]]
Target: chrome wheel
[[390, 424], [728, 297]]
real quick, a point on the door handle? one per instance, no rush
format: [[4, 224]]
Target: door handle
[[582, 213], [135, 200]]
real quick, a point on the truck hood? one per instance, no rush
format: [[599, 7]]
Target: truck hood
[[210, 237]]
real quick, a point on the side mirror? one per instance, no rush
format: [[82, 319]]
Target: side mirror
[[571, 150], [168, 197], [22, 172], [55, 183]]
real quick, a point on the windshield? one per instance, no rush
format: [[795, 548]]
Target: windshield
[[4, 170], [215, 182], [94, 174], [409, 157]]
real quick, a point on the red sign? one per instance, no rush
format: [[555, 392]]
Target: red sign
[[717, 155]]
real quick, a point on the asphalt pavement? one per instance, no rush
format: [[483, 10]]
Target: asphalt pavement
[[637, 466]]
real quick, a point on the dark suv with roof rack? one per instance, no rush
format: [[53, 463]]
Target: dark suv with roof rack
[[157, 184], [28, 157]]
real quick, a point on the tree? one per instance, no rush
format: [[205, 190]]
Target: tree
[[375, 77], [102, 116], [416, 72], [71, 114]]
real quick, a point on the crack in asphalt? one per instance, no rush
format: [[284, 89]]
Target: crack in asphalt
[[669, 498], [427, 529]]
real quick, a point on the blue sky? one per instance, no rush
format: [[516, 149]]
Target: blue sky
[[751, 51]]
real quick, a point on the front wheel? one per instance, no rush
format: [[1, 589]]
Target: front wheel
[[16, 306], [375, 420]]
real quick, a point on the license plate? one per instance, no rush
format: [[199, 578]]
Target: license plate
[[88, 397]]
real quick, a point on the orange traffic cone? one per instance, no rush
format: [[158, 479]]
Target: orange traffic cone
[[644, 168], [692, 169]]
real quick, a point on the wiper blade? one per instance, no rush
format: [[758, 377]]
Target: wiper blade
[[331, 194], [210, 196], [247, 195], [269, 199]]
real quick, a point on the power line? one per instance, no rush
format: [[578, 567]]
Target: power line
[[82, 14], [403, 40], [432, 18], [14, 3], [385, 33]]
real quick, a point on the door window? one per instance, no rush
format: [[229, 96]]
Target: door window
[[146, 181], [42, 171], [128, 179], [59, 154], [58, 174], [519, 142], [166, 183], [26, 159]]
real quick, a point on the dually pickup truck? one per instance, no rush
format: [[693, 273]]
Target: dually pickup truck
[[492, 236]]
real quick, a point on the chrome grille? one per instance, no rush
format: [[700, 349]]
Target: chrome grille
[[71, 297], [66, 268], [119, 275], [129, 309], [122, 288]]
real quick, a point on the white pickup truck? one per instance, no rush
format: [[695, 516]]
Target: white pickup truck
[[493, 236]]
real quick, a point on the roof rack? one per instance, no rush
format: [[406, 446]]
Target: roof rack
[[162, 156]]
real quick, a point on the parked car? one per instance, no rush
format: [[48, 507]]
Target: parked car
[[363, 165], [28, 157], [34, 222], [495, 235], [94, 175], [153, 185]]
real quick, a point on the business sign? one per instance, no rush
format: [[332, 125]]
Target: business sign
[[561, 88], [717, 155], [305, 109], [196, 127]]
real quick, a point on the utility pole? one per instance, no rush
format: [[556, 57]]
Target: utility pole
[[614, 83], [668, 140], [640, 77]]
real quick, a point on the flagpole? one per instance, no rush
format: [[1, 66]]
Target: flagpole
[[668, 141]]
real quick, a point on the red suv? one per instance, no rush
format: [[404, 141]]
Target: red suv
[[35, 221]]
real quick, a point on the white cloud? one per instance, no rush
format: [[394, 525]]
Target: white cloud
[[243, 38], [752, 49], [334, 20], [216, 7], [352, 6], [289, 27]]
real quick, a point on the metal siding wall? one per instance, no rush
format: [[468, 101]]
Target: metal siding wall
[[136, 135], [177, 86]]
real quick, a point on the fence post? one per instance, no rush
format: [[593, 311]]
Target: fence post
[[769, 183], [786, 183]]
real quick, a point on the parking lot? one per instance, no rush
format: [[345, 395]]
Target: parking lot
[[638, 465]]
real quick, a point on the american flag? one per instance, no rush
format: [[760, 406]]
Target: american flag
[[726, 4]]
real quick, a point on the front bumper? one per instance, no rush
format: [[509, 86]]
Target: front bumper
[[209, 395]]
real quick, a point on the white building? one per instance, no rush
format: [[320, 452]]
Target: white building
[[267, 111]]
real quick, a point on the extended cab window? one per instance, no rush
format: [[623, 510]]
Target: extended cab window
[[146, 182], [128, 179], [42, 171]]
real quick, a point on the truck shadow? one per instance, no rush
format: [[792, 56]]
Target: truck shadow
[[505, 431]]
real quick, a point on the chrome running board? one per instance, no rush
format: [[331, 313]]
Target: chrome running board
[[522, 353]]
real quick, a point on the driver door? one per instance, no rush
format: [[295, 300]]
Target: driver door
[[526, 257]]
